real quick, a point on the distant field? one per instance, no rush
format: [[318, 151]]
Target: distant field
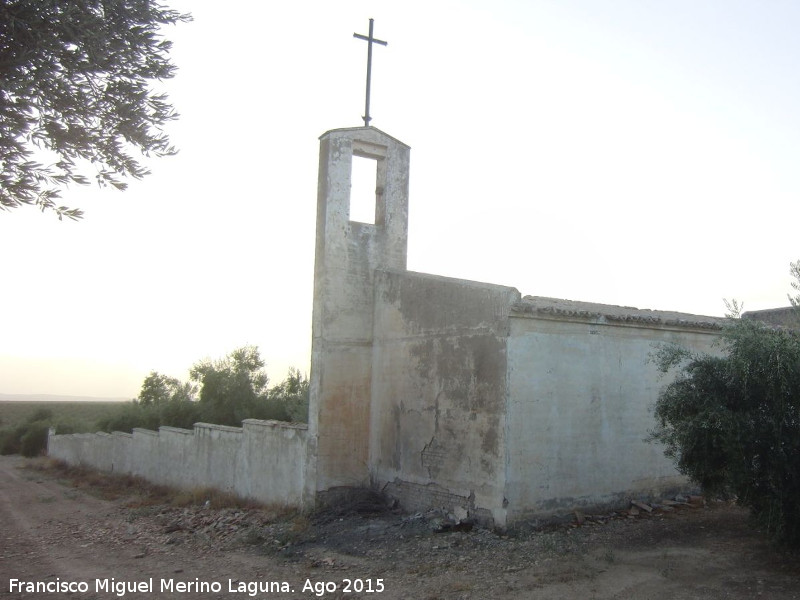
[[82, 415]]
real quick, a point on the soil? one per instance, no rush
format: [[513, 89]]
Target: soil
[[54, 532]]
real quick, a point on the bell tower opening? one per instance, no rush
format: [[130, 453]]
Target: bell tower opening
[[367, 182], [363, 186]]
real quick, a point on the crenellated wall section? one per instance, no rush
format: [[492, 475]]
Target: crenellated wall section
[[263, 460]]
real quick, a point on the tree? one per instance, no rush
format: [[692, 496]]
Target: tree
[[291, 397], [794, 269], [233, 388], [75, 88], [732, 422], [162, 400], [158, 390]]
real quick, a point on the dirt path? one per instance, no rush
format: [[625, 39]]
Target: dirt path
[[55, 533], [52, 532]]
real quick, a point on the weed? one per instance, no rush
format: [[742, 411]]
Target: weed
[[211, 498], [252, 536], [557, 543], [300, 523]]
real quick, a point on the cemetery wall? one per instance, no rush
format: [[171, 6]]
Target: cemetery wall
[[263, 460]]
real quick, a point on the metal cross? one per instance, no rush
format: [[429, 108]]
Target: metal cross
[[370, 41]]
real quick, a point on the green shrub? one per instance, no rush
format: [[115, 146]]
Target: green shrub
[[34, 441], [41, 414], [180, 413], [28, 438], [732, 422], [9, 441], [130, 416]]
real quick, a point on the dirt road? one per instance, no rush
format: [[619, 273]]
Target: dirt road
[[58, 535]]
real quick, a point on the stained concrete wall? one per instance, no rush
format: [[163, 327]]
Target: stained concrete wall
[[439, 392], [262, 460], [348, 254], [581, 394], [506, 407]]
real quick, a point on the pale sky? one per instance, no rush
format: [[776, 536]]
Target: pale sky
[[632, 152]]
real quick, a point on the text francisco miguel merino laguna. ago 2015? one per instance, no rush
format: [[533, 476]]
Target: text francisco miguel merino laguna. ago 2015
[[232, 586]]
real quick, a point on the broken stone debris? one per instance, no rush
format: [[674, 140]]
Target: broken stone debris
[[638, 508], [443, 522]]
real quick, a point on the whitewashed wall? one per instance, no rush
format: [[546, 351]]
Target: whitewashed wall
[[262, 460], [582, 387]]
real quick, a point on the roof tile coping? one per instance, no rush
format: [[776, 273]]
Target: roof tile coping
[[558, 308]]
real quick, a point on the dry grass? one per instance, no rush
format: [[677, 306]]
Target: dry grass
[[211, 498], [140, 492]]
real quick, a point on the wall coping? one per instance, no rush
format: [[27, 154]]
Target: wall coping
[[477, 285], [273, 423], [367, 131], [144, 431], [557, 309], [170, 429], [218, 427], [781, 310]]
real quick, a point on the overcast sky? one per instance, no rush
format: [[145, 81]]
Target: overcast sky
[[632, 152]]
